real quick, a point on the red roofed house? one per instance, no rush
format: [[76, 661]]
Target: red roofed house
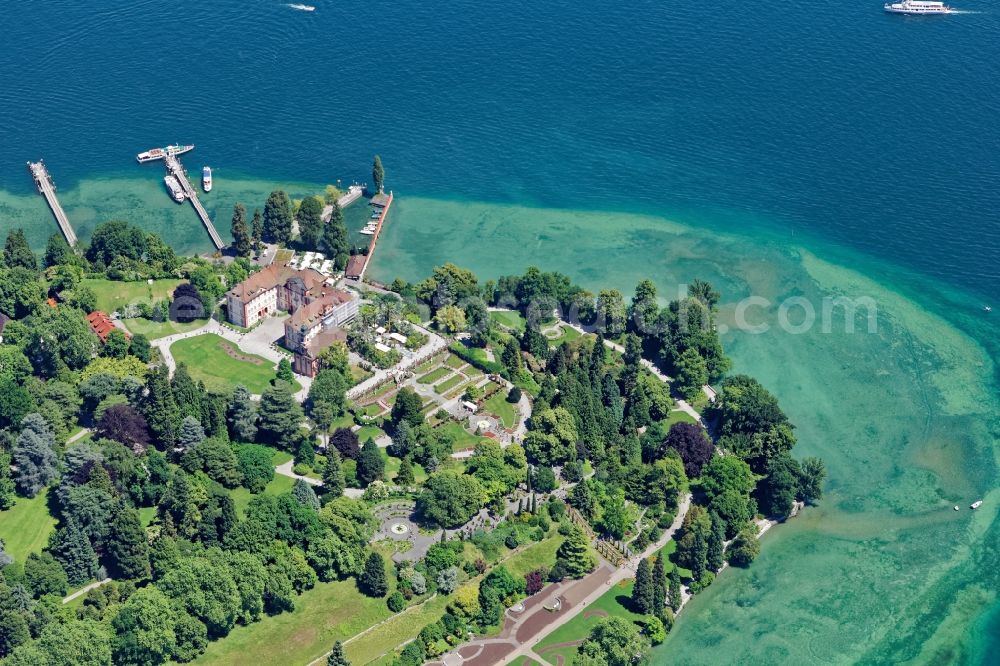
[[355, 267], [101, 324]]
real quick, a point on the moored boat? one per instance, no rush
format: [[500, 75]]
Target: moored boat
[[917, 7], [150, 155], [976, 504], [159, 153], [176, 191], [206, 178]]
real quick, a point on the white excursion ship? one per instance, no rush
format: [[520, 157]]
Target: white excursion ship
[[174, 187], [917, 7], [206, 178]]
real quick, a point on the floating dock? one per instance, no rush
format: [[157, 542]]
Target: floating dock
[[175, 169], [47, 189]]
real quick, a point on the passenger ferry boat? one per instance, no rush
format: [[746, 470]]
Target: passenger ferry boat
[[206, 178], [176, 191], [917, 7], [159, 153]]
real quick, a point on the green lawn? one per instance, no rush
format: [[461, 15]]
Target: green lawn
[[509, 318], [434, 376], [454, 361], [26, 526], [278, 485], [207, 361], [147, 514], [112, 294], [322, 615], [449, 383], [396, 630], [161, 329], [463, 439], [610, 603], [499, 407], [371, 410], [359, 375], [392, 467], [679, 416], [568, 333], [369, 432]]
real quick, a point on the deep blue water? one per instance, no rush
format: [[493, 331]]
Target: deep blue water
[[830, 121], [873, 131]]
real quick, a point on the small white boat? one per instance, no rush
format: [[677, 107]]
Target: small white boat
[[956, 507], [367, 232], [206, 178], [987, 308], [303, 8], [976, 504]]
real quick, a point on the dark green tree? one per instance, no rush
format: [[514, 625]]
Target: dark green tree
[[284, 371], [407, 408], [405, 477], [35, 456], [716, 543], [335, 243], [371, 465], [139, 347], [337, 657], [744, 548], [255, 466], [17, 253], [256, 230], [327, 399], [811, 476], [57, 251], [378, 174], [372, 581], [778, 489], [144, 629], [310, 219], [115, 345], [279, 416], [304, 493], [642, 591], [127, 551], [70, 545], [241, 415], [277, 225], [574, 556], [614, 641], [450, 499], [44, 575], [674, 590], [242, 241], [190, 434], [333, 475], [160, 409], [659, 585]]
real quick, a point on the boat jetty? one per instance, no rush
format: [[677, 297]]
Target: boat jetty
[[179, 186], [380, 208], [47, 188]]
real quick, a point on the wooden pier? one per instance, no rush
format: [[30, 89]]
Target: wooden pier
[[177, 171], [48, 190]]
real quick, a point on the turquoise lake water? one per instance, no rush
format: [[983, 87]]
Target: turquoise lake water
[[784, 149]]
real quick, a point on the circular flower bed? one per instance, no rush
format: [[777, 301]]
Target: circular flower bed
[[399, 528]]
